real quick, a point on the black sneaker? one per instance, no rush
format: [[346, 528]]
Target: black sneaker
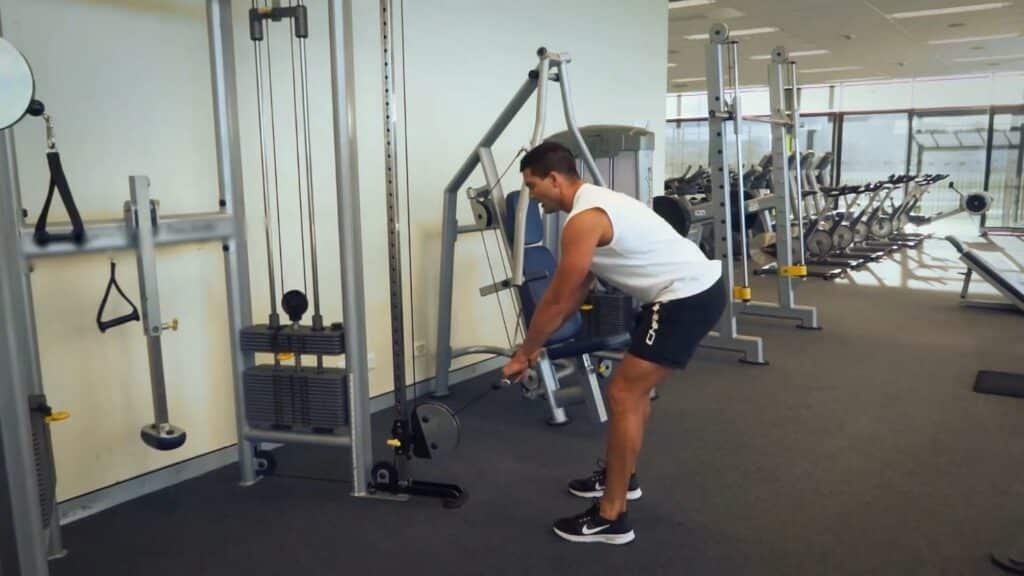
[[593, 485], [590, 527]]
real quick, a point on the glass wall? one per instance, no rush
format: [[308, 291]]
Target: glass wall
[[864, 95], [687, 145], [1005, 183], [874, 146], [817, 135], [953, 144]]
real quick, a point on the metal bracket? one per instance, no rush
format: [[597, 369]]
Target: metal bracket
[[277, 13]]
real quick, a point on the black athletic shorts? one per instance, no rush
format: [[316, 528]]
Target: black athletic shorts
[[668, 333]]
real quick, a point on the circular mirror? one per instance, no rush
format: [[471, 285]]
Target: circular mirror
[[18, 86]]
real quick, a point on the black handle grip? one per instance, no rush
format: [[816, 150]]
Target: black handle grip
[[105, 325], [59, 183], [132, 316]]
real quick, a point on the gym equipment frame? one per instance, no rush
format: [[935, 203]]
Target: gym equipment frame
[[722, 60], [552, 67], [31, 532]]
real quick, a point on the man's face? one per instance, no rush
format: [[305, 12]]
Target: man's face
[[544, 190]]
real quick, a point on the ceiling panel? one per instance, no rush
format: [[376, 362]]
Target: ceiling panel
[[858, 34]]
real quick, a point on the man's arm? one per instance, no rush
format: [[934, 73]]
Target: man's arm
[[580, 238]]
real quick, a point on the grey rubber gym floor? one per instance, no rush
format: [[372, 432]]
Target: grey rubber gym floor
[[861, 449]]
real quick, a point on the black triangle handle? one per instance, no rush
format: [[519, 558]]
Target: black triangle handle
[[132, 316]]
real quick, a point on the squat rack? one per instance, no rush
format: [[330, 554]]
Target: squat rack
[[29, 526], [722, 63]]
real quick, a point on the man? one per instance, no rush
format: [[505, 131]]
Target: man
[[620, 240]]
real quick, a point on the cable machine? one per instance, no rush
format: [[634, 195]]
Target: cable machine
[[30, 533]]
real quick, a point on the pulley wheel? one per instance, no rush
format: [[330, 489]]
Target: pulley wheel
[[437, 430]]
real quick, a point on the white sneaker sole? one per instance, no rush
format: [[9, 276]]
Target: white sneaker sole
[[598, 538], [631, 495]]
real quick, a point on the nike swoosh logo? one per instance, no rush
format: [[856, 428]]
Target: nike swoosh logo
[[598, 486], [588, 531]]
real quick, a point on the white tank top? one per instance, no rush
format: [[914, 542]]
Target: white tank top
[[646, 258]]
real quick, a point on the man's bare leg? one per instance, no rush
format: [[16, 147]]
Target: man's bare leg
[[629, 406]]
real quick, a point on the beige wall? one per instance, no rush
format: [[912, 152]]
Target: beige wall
[[128, 83]]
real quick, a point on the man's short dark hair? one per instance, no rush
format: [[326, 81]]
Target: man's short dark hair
[[550, 157]]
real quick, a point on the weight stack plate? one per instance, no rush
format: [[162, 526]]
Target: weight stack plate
[[296, 339], [304, 399]]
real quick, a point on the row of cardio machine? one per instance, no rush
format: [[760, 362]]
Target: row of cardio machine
[[849, 226], [843, 227]]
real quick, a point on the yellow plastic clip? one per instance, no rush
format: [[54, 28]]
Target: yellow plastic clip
[[284, 356], [394, 443], [57, 416], [795, 271], [743, 293]]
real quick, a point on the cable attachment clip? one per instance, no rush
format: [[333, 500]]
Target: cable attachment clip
[[277, 13]]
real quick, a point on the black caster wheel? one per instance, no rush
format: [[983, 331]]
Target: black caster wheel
[[453, 503]]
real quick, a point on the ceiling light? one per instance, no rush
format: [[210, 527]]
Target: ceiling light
[[951, 10], [688, 3], [863, 79], [974, 38], [984, 58], [833, 69], [797, 53], [735, 33], [671, 64], [685, 80]]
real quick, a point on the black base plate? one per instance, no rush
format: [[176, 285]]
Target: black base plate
[[452, 495], [999, 383]]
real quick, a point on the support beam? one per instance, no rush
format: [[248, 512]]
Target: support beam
[[346, 170]]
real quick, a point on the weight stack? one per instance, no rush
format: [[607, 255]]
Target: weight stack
[[613, 313], [42, 451], [295, 339], [311, 400]]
